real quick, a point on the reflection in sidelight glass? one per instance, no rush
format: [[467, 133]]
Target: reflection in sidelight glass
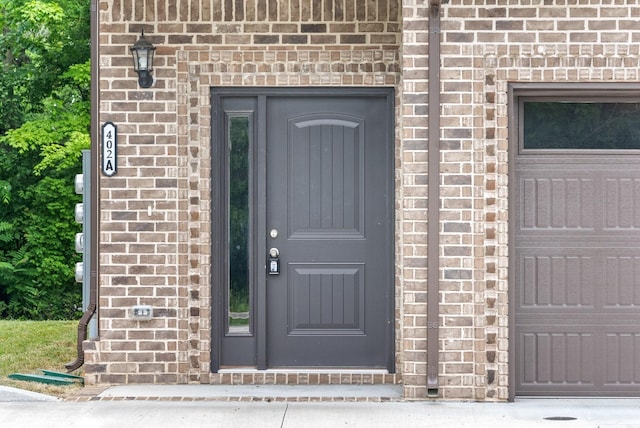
[[239, 290]]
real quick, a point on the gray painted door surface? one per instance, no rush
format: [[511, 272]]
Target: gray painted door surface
[[577, 265], [315, 181], [329, 197]]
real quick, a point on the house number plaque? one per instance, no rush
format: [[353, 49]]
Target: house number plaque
[[109, 149]]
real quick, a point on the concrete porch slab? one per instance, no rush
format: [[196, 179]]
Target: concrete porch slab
[[382, 392]]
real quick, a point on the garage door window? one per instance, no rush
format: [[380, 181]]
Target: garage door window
[[581, 125]]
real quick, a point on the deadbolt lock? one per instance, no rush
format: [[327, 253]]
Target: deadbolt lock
[[273, 262]]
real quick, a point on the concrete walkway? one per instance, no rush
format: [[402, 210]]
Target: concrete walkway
[[203, 406], [14, 394]]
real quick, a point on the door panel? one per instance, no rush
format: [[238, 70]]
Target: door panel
[[326, 298], [329, 193], [327, 176]]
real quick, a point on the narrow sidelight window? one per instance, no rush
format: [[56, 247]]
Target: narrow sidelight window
[[239, 294]]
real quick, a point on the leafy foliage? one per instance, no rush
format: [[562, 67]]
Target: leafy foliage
[[60, 132], [40, 40], [44, 123]]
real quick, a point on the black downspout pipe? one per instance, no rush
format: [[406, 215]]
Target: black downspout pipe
[[433, 204], [93, 239]]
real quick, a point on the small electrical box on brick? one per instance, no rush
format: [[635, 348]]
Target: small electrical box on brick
[[142, 312]]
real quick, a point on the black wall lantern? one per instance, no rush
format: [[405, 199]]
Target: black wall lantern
[[142, 52]]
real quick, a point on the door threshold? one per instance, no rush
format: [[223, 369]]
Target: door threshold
[[304, 376]]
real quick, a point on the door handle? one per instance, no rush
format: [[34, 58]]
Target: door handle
[[273, 262]]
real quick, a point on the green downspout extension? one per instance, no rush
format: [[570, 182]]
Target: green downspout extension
[[49, 377]]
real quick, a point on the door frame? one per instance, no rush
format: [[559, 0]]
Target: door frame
[[219, 257]]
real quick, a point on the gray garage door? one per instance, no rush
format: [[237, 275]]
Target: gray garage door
[[577, 250]]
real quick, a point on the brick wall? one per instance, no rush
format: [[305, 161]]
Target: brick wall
[[486, 45], [155, 213]]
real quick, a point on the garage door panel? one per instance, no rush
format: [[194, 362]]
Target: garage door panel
[[569, 360], [595, 202], [608, 280], [622, 359], [556, 203], [622, 280], [622, 208], [557, 357], [559, 280]]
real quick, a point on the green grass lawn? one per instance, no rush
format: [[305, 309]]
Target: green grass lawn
[[27, 346]]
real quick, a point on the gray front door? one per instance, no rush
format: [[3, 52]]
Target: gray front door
[[323, 198], [329, 196]]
